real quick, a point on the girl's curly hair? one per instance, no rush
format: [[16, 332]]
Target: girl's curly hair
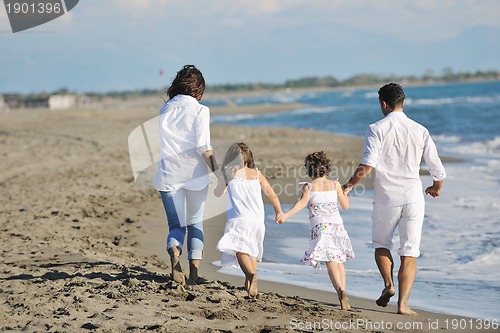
[[317, 164]]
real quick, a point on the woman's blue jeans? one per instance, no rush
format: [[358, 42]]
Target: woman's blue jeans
[[184, 210]]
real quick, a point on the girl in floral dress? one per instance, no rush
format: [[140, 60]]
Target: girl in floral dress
[[329, 243]]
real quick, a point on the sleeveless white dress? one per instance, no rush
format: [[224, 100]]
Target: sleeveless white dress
[[244, 230], [329, 240]]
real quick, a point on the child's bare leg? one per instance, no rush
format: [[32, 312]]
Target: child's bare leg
[[252, 288], [246, 267], [249, 267], [336, 272], [254, 264]]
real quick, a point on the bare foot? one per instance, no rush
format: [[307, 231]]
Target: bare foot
[[252, 286], [384, 299], [177, 274], [344, 304], [406, 311], [199, 280]]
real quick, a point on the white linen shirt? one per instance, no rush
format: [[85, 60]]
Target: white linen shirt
[[394, 146], [184, 137]]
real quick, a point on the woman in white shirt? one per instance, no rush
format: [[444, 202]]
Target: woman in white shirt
[[186, 159]]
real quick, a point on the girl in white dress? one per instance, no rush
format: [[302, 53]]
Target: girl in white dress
[[242, 242], [329, 243]]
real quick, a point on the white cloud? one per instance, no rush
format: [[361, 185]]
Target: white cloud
[[3, 17], [411, 20], [195, 8], [141, 8], [257, 8], [214, 33], [139, 5], [414, 20]]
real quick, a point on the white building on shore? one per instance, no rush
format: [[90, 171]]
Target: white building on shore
[[62, 102]]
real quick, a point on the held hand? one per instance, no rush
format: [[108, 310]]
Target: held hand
[[346, 188], [280, 218], [433, 192], [220, 189], [218, 174]]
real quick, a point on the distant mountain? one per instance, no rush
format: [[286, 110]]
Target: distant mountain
[[248, 52], [328, 49], [473, 49]]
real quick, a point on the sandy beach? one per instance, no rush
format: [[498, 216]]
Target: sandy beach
[[83, 245]]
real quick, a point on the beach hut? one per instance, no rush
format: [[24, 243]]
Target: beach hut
[[9, 101]]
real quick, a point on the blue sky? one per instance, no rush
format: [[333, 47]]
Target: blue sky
[[117, 45]]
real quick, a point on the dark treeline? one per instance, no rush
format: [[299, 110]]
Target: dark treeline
[[430, 76], [358, 80]]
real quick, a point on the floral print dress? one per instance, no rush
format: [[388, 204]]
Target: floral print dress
[[329, 240]]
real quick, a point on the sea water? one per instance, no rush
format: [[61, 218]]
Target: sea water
[[459, 267]]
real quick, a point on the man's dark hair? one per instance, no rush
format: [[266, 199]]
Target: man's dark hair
[[392, 94], [189, 81]]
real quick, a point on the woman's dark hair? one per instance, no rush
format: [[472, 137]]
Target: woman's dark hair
[[189, 81], [317, 164], [392, 94], [238, 155]]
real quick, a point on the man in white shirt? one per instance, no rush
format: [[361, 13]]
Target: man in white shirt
[[395, 146]]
